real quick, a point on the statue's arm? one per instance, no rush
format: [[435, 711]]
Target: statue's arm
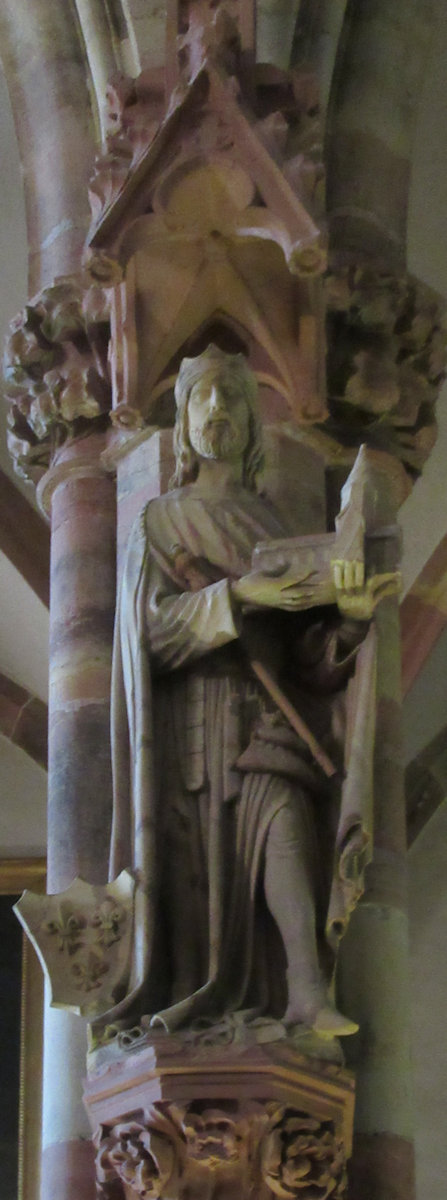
[[182, 627]]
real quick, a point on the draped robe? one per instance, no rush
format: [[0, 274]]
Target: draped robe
[[202, 761]]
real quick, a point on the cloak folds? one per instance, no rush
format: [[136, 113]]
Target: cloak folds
[[184, 709]]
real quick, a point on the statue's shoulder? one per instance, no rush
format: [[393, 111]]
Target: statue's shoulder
[[159, 506], [155, 519]]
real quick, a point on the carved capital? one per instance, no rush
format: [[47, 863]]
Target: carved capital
[[56, 371], [72, 464], [386, 361], [177, 1118], [225, 1148]]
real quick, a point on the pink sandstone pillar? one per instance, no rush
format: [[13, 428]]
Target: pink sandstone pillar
[[80, 497]]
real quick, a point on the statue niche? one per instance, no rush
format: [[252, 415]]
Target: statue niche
[[248, 854]]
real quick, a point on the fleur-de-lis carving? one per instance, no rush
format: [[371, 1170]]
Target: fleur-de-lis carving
[[108, 920], [89, 972], [68, 928]]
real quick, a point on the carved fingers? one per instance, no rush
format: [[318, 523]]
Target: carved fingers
[[348, 576], [356, 596], [298, 593], [270, 591]]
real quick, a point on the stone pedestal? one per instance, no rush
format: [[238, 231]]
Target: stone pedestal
[[193, 1119]]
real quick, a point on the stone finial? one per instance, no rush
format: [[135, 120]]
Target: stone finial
[[209, 32]]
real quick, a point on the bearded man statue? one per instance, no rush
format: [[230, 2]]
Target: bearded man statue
[[244, 853]]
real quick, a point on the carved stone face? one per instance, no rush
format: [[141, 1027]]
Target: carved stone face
[[212, 1137], [218, 417]]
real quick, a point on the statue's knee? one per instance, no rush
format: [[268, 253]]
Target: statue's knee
[[290, 821]]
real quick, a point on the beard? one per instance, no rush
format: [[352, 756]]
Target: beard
[[217, 440]]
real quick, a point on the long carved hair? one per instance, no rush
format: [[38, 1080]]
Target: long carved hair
[[234, 368]]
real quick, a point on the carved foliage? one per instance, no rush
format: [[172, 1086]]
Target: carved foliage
[[303, 1157], [386, 361], [247, 1149], [134, 111], [144, 1156], [208, 30], [56, 371]]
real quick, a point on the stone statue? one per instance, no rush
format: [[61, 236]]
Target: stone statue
[[242, 848]]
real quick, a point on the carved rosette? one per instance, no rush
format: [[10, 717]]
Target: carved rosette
[[303, 1157], [386, 362], [56, 371], [244, 1149], [146, 1156]]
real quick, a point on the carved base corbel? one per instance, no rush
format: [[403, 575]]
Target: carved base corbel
[[181, 1121]]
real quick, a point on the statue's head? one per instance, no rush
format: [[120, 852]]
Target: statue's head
[[217, 415]]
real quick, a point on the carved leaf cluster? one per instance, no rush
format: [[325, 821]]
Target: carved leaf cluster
[[55, 371], [302, 1157], [208, 30], [140, 1156], [134, 111], [386, 361], [144, 1152], [174, 1152]]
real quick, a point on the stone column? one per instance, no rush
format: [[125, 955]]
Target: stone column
[[371, 121], [67, 1163], [43, 60], [373, 967], [80, 498]]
